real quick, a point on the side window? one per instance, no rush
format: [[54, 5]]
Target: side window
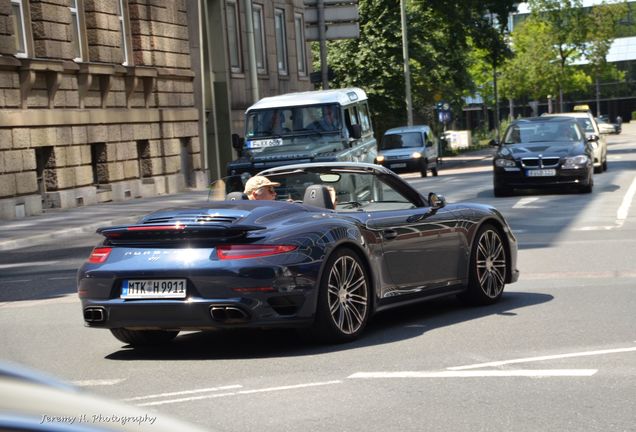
[[281, 41], [259, 38], [19, 28], [301, 54], [233, 38], [122, 11], [365, 121]]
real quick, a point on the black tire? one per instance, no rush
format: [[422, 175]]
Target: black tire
[[144, 337], [424, 169], [502, 191], [488, 267], [587, 188], [604, 165], [344, 299], [434, 171], [598, 169]]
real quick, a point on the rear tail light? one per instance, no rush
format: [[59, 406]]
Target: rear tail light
[[99, 255], [232, 252]]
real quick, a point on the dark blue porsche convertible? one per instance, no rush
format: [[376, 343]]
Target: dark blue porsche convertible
[[304, 260]]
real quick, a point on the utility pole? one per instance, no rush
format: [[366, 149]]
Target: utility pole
[[407, 70], [251, 49], [323, 44]]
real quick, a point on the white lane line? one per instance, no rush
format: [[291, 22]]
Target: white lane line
[[182, 393], [242, 392], [534, 373], [98, 382], [623, 210], [523, 203], [62, 278], [29, 264], [17, 280], [542, 358]]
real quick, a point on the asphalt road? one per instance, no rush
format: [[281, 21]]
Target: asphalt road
[[558, 353]]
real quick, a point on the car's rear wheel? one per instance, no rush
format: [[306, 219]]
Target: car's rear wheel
[[605, 165], [434, 171], [144, 337], [488, 266], [344, 298]]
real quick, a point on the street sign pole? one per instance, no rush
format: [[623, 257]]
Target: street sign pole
[[323, 44], [407, 70]]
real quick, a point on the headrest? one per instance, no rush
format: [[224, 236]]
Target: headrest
[[235, 196], [318, 196]]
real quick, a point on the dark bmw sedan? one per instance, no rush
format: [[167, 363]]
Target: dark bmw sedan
[[543, 152]]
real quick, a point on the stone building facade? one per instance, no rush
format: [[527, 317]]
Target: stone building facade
[[96, 103]]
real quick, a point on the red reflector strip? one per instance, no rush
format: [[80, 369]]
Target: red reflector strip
[[231, 252], [257, 289], [156, 227], [99, 255]]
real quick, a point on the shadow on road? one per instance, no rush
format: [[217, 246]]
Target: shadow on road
[[386, 327]]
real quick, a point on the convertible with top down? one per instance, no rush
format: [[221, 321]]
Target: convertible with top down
[[301, 261]]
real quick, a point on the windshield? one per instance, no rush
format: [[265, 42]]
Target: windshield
[[524, 133], [401, 140], [293, 120]]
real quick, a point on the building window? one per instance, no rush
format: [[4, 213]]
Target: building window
[[123, 27], [259, 38], [281, 41], [233, 38], [75, 31], [17, 14], [301, 52]]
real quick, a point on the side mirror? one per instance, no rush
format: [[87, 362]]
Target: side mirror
[[356, 131], [237, 142], [436, 201], [493, 143], [592, 137], [429, 143]]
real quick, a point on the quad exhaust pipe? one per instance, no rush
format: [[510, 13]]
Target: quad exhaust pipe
[[94, 315], [228, 314]]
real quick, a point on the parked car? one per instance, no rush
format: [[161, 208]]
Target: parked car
[[599, 145], [408, 149], [313, 126], [303, 261], [605, 127], [543, 151]]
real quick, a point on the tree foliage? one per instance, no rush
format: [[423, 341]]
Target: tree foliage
[[438, 35]]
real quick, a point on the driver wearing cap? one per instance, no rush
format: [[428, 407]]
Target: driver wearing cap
[[260, 188]]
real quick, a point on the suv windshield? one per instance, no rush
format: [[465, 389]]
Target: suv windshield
[[293, 120], [401, 140]]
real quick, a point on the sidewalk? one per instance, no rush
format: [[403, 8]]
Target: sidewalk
[[64, 223]]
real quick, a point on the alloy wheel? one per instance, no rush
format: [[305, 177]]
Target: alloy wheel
[[491, 264], [347, 294]]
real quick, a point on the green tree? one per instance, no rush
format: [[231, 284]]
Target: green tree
[[566, 22], [438, 47], [602, 29]]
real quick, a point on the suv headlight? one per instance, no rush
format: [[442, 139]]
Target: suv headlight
[[416, 155], [379, 159], [575, 162], [505, 163]]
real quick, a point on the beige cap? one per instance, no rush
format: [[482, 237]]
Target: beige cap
[[258, 182]]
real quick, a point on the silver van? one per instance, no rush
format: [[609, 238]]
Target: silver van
[[315, 126], [408, 149]]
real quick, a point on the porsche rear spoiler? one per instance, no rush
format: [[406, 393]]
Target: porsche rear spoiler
[[178, 232]]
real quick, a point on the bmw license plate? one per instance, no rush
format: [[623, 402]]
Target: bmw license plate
[[541, 173], [153, 288], [398, 165]]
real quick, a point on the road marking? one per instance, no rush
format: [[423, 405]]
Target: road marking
[[623, 210], [98, 382], [29, 264], [242, 392], [523, 203], [534, 373], [62, 278], [542, 358], [182, 393], [579, 275], [67, 299], [17, 280]]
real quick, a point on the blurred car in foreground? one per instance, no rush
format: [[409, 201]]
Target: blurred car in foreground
[[605, 127], [301, 262], [543, 151], [33, 401], [599, 145], [408, 149]]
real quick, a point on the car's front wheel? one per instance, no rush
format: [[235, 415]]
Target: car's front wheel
[[424, 169], [344, 298], [488, 266], [144, 337]]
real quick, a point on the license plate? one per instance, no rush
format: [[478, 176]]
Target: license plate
[[541, 173], [398, 165], [266, 143], [153, 288]]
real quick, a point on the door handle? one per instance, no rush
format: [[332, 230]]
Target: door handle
[[389, 234]]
